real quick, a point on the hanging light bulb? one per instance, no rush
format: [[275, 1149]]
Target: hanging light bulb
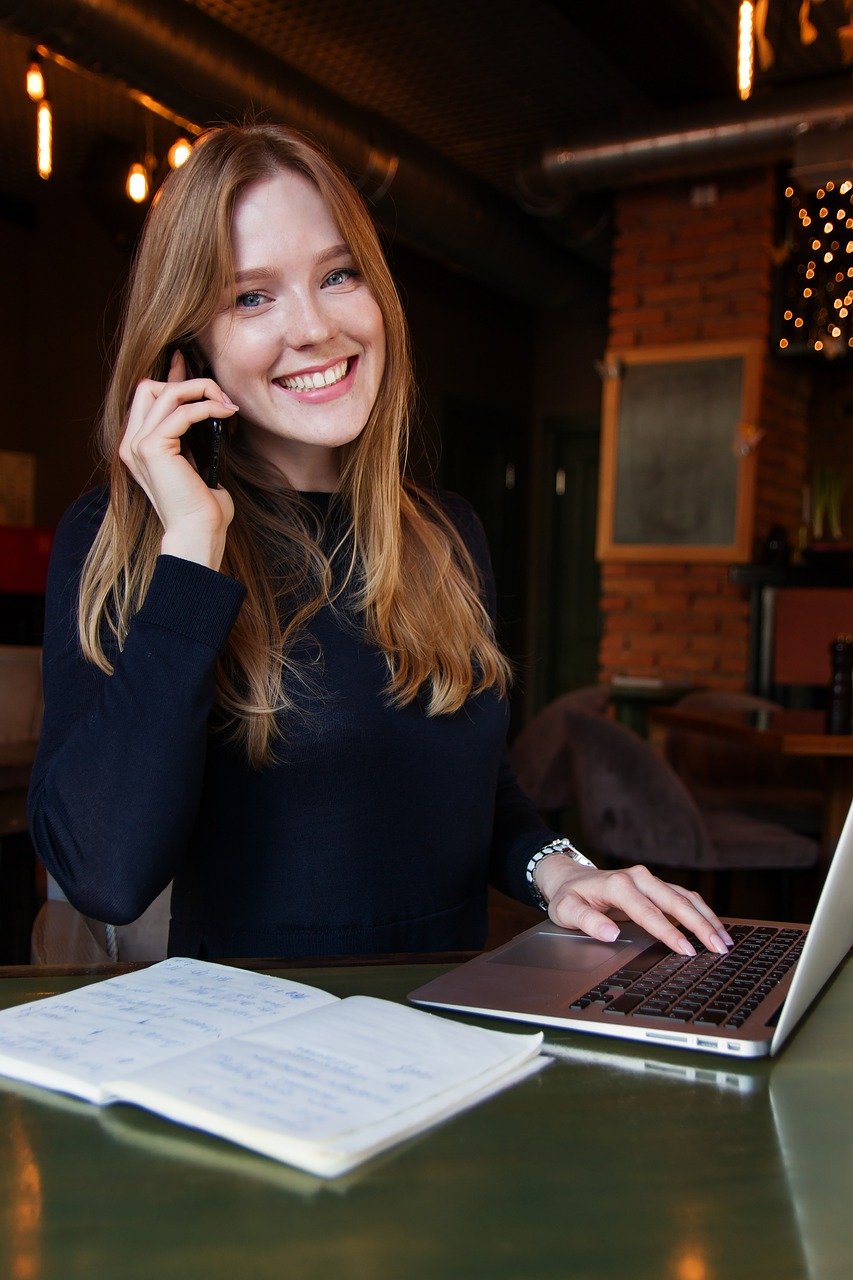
[[44, 139], [35, 78], [745, 29], [179, 152], [137, 183]]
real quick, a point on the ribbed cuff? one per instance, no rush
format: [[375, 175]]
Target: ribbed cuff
[[193, 601]]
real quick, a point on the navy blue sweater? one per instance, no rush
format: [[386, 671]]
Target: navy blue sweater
[[377, 830]]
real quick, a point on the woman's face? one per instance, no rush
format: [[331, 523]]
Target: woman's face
[[301, 348]]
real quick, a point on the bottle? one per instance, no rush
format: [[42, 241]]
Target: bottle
[[839, 709]]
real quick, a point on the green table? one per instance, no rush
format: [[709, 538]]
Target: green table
[[613, 1162]]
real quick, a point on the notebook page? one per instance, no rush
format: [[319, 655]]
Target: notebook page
[[73, 1042], [342, 1083]]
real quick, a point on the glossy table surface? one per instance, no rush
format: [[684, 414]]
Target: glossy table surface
[[616, 1161]]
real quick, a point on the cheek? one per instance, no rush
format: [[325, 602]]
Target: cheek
[[378, 339], [242, 356]]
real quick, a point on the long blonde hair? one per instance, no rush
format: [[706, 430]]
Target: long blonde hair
[[416, 584]]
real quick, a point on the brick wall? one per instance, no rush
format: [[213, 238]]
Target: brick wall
[[685, 272]]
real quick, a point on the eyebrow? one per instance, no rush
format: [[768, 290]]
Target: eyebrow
[[265, 273]]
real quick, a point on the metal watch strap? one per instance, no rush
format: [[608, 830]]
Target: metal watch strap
[[556, 846]]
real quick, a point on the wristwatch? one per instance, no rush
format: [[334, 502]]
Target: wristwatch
[[563, 846]]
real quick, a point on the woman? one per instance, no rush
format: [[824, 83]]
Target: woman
[[284, 693]]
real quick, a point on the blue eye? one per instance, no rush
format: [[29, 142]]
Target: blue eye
[[340, 275], [250, 300]]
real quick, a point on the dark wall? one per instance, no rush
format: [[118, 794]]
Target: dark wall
[[61, 276]]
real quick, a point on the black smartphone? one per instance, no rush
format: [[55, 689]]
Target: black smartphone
[[204, 439], [205, 442]]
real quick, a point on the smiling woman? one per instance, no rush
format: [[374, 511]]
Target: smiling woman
[[284, 694], [302, 350]]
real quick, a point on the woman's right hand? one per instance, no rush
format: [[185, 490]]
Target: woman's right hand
[[195, 518]]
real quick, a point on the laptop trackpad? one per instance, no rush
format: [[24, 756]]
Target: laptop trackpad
[[573, 953]]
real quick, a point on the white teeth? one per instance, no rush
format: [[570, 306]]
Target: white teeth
[[313, 381]]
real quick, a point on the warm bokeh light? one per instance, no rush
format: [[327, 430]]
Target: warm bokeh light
[[179, 152], [745, 49], [23, 1212], [137, 183], [44, 139], [35, 81], [814, 311], [691, 1266]]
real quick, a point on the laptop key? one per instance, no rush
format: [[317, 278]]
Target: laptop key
[[644, 961], [624, 1004], [714, 1017]]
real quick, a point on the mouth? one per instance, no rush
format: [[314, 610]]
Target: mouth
[[318, 379]]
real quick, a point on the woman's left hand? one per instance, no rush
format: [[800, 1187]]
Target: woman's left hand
[[579, 898]]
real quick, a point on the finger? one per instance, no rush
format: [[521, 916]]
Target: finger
[[619, 889], [571, 911], [702, 907], [142, 449], [177, 367], [651, 903], [172, 395], [164, 439]]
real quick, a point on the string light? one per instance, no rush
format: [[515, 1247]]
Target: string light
[[35, 79], [752, 33], [140, 177], [745, 44], [44, 139], [137, 185], [179, 153], [815, 297]]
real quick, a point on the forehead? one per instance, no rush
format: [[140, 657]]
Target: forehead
[[279, 217]]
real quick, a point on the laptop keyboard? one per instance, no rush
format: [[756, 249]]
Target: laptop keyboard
[[708, 988]]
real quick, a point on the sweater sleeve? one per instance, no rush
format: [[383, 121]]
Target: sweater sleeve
[[518, 828], [118, 772]]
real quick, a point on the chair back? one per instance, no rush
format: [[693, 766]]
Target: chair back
[[702, 760], [632, 805], [538, 754], [62, 935]]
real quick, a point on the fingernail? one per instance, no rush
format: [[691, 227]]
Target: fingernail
[[226, 400], [718, 944], [726, 937], [686, 948], [609, 932]]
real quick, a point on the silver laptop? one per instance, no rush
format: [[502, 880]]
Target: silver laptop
[[743, 1004]]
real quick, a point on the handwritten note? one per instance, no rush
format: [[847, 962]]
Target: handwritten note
[[75, 1041], [270, 1064], [340, 1069]]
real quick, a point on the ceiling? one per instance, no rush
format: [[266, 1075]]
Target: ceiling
[[478, 85]]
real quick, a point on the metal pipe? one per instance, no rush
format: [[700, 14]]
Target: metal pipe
[[728, 136], [204, 72]]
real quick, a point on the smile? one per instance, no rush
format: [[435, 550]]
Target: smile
[[316, 381]]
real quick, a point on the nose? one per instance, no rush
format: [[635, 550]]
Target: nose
[[307, 321]]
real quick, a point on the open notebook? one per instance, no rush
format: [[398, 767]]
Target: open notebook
[[744, 1004], [273, 1065]]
